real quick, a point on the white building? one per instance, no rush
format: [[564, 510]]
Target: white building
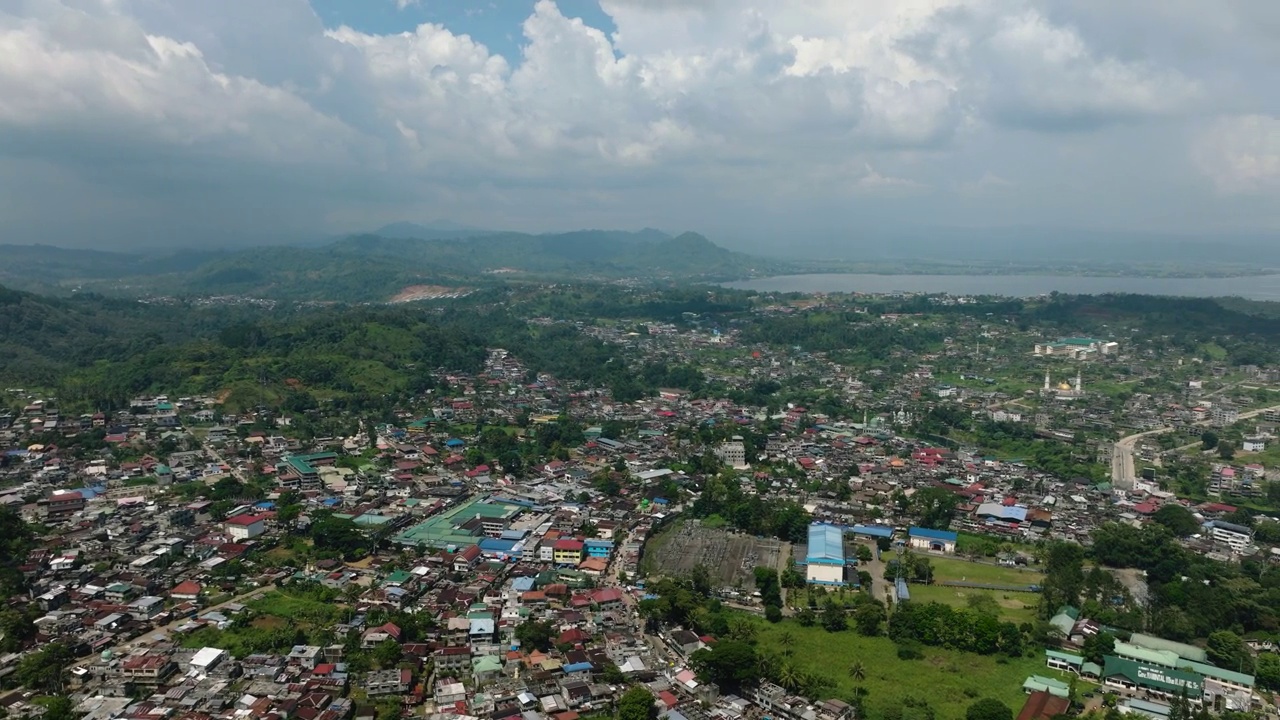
[[1223, 416], [1237, 537], [1254, 444], [733, 453], [245, 527]]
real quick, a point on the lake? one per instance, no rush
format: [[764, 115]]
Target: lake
[[1257, 287]]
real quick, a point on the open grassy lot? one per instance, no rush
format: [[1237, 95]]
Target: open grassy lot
[[1014, 607], [1017, 607], [945, 568], [298, 609], [949, 681]]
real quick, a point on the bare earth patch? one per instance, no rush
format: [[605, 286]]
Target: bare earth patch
[[412, 293]]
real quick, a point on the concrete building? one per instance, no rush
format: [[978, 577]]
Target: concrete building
[[245, 527], [733, 453], [1237, 537], [943, 541], [825, 560]]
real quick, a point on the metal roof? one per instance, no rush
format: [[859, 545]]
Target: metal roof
[[932, 534], [826, 545]]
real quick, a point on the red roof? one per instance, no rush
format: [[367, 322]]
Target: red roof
[[245, 519], [187, 587], [568, 544], [1041, 705]]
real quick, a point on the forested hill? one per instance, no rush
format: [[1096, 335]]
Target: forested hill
[[374, 268], [97, 353]]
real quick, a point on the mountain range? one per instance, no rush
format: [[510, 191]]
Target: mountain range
[[376, 266]]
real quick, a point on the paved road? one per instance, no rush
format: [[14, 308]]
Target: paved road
[[1122, 470], [124, 648]]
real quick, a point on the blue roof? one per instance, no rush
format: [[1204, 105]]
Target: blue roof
[[598, 542], [873, 530], [900, 586], [1011, 513], [932, 534], [826, 545], [522, 584], [494, 545], [577, 667], [454, 443], [265, 505], [331, 501]]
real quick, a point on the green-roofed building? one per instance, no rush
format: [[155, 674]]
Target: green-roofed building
[[486, 667], [1132, 675], [1039, 683], [1182, 650], [399, 577], [445, 529], [1137, 653]]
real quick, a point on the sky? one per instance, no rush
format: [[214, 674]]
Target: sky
[[767, 125]]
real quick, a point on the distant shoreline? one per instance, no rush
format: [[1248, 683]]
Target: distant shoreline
[[1253, 287]]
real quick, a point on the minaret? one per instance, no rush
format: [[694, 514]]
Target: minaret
[[1046, 380], [1079, 384]]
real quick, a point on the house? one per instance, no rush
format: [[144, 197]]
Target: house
[[465, 560], [1042, 705], [1254, 444], [147, 669], [943, 541], [686, 642], [389, 682], [567, 551], [1237, 537], [452, 658], [377, 635], [186, 590], [306, 656], [245, 527]]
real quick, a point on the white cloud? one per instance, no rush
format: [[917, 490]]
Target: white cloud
[[1241, 154], [406, 4], [874, 182], [692, 106]]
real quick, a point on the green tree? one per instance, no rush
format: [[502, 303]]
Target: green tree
[[1227, 650], [535, 634], [988, 709], [637, 704], [833, 617], [1267, 670], [787, 640], [857, 671], [1226, 450], [869, 618], [387, 654], [732, 664], [1178, 519], [45, 669], [1208, 440]]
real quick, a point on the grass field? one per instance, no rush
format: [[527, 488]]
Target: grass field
[[949, 681], [1015, 607], [298, 609]]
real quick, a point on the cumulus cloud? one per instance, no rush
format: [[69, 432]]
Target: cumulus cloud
[[1241, 154], [691, 108]]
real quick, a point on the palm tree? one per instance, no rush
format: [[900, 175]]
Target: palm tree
[[789, 677], [857, 671], [787, 640], [767, 665], [740, 628]]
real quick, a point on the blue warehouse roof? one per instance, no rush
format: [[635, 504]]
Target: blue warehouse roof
[[826, 545], [928, 534], [877, 531]]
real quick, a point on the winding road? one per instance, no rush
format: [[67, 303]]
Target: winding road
[[1123, 475]]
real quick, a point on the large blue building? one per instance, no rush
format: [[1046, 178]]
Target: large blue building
[[825, 560]]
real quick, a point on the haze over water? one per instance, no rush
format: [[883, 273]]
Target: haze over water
[[1258, 287]]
